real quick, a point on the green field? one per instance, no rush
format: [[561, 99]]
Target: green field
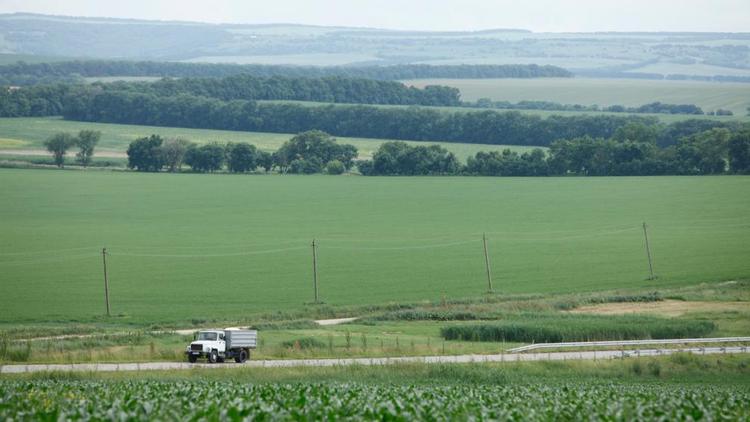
[[31, 132], [604, 92], [220, 400], [220, 246]]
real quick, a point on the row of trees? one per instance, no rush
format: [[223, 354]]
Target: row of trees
[[21, 73], [632, 151], [651, 108], [586, 156], [330, 89], [715, 151], [86, 141], [307, 153], [413, 123]]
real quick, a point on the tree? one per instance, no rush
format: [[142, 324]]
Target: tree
[[265, 160], [58, 145], [86, 141], [310, 151], [173, 153], [739, 152], [205, 158], [145, 154], [242, 157]]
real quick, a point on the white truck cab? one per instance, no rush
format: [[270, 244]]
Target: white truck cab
[[218, 345]]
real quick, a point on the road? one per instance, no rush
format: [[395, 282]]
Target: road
[[498, 358]]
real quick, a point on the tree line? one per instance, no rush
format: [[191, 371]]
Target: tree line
[[21, 73], [715, 151], [329, 89], [632, 151], [651, 108], [413, 123], [306, 153]]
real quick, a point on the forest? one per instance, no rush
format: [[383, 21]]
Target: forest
[[21, 73], [413, 123]]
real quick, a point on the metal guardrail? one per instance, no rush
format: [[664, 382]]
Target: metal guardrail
[[628, 343]]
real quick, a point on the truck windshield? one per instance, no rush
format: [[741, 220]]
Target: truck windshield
[[207, 336]]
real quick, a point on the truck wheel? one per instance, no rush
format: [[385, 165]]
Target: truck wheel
[[192, 358], [213, 357], [242, 357]]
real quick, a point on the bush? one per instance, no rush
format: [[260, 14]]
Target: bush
[[305, 166], [335, 167], [555, 328]]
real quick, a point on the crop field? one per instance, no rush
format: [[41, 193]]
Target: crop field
[[30, 133], [604, 92], [184, 246], [142, 400]]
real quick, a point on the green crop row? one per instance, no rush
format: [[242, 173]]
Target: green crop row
[[156, 400], [554, 328]]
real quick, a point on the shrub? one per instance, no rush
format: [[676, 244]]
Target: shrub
[[335, 167], [553, 328]]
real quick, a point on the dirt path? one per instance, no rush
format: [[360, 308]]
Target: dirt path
[[335, 321], [466, 359], [671, 308]]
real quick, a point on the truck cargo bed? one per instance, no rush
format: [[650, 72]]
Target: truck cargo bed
[[241, 339]]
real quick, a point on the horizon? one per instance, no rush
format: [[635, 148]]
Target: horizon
[[282, 23], [542, 16]]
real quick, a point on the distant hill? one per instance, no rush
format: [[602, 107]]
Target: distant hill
[[606, 54]]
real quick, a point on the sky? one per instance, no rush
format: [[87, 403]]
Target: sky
[[536, 15]]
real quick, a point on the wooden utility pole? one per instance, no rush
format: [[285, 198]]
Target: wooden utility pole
[[106, 280], [487, 263], [315, 270], [648, 253]]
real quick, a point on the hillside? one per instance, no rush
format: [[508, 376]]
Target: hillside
[[631, 55]]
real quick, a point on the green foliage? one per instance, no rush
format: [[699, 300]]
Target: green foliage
[[335, 167], [173, 152], [549, 328], [145, 154], [739, 153], [508, 163], [242, 157], [70, 399], [58, 145], [208, 158], [86, 142], [309, 152], [399, 158]]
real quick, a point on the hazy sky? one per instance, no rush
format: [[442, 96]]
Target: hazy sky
[[537, 15]]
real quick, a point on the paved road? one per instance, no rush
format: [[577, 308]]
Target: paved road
[[589, 355]]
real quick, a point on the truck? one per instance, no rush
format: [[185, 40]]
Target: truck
[[220, 345]]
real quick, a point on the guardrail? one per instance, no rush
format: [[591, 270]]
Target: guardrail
[[628, 343]]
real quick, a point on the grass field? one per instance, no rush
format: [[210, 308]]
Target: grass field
[[203, 246], [30, 133], [628, 92]]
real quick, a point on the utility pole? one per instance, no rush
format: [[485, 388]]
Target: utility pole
[[487, 263], [106, 280], [648, 253], [315, 269]]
